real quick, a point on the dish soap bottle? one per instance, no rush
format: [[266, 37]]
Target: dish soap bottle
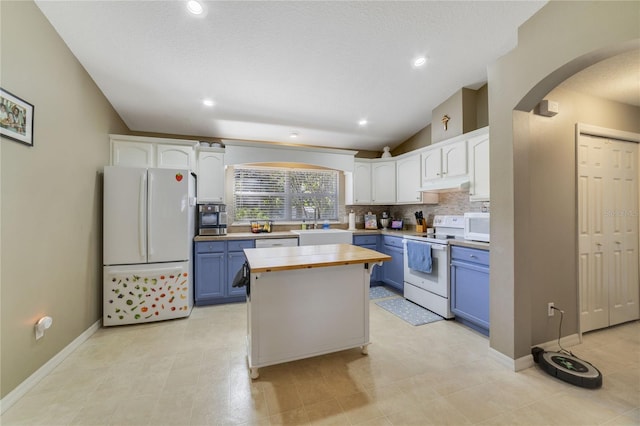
[[304, 224]]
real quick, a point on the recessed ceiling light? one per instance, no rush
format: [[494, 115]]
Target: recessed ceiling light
[[420, 61], [208, 102], [293, 135], [195, 7], [362, 122]]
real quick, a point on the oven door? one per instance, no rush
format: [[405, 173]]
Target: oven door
[[438, 280]]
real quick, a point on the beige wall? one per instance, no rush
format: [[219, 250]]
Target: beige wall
[[552, 269], [51, 195], [584, 33], [419, 140]]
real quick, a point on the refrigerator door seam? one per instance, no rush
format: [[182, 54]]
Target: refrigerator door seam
[[141, 216]]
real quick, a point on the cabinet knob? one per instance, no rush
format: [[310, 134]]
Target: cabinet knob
[[473, 256]]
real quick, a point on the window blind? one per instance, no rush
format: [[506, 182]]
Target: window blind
[[284, 194]]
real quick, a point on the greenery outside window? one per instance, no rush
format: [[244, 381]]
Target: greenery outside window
[[279, 194]]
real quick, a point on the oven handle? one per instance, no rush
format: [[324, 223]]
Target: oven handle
[[434, 246]]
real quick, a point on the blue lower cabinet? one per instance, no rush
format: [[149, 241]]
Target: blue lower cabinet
[[470, 287], [369, 242], [216, 265], [393, 270], [235, 260]]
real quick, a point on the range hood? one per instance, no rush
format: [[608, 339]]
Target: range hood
[[460, 183]]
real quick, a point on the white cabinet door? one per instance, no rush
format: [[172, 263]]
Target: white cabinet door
[[431, 161], [211, 177], [479, 168], [454, 159], [408, 179], [383, 176], [175, 157], [132, 154], [362, 183]]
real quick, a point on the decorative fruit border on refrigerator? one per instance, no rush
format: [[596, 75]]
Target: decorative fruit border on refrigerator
[[136, 298]]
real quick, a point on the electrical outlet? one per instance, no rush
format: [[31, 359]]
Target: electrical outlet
[[550, 309]]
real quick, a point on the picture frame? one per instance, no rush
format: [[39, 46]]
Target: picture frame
[[16, 118], [370, 221]]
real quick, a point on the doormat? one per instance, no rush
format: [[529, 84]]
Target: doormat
[[408, 311], [378, 292]]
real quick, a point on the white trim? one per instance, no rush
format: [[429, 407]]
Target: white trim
[[566, 342], [510, 363], [526, 361], [587, 129], [247, 152], [24, 387], [153, 139]]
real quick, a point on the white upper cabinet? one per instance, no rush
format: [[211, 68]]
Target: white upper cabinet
[[383, 177], [408, 179], [361, 183], [132, 154], [175, 157], [454, 159], [479, 168], [449, 160], [211, 175], [139, 151], [431, 164]]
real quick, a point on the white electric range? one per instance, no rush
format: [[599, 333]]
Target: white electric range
[[432, 290]]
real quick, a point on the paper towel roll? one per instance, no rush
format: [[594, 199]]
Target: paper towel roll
[[352, 221]]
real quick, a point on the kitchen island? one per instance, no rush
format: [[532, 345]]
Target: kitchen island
[[307, 301]]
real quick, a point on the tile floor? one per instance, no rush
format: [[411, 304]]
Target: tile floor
[[193, 372]]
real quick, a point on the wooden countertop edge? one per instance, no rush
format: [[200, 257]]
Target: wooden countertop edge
[[307, 257], [319, 265]]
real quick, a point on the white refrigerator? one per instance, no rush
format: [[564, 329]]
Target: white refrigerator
[[149, 225]]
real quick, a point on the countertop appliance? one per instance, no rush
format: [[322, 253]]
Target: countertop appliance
[[149, 225], [432, 290], [212, 219], [476, 226]]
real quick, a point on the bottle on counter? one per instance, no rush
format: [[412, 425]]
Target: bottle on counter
[[304, 224]]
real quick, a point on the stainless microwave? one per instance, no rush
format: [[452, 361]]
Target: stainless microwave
[[212, 219], [476, 226]]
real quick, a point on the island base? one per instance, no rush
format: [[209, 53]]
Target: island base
[[303, 313]]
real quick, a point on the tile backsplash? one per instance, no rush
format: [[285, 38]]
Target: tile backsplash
[[452, 203]]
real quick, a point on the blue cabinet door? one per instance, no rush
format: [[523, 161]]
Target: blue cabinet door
[[210, 271], [235, 262], [369, 242], [470, 287], [393, 271]]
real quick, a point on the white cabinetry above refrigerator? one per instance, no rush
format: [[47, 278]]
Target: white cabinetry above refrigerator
[[138, 151]]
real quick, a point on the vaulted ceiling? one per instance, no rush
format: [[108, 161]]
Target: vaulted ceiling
[[272, 69]]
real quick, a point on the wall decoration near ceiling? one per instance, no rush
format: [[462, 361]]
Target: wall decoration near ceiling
[[16, 118]]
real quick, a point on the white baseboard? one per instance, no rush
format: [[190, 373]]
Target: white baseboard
[[527, 360], [566, 342], [20, 390]]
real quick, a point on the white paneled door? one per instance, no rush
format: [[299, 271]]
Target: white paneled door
[[607, 231]]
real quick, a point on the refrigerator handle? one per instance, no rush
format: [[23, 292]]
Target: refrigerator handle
[[149, 227], [141, 216]]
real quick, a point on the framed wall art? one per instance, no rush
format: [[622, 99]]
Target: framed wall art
[[16, 118]]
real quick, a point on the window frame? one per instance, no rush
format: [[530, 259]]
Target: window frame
[[290, 197]]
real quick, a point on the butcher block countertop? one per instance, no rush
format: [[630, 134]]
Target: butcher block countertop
[[304, 257]]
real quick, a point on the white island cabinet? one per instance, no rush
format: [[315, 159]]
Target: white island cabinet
[[307, 301]]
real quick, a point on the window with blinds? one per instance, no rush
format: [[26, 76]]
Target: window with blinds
[[284, 194]]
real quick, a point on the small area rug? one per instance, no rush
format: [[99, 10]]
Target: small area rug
[[408, 311], [379, 292]]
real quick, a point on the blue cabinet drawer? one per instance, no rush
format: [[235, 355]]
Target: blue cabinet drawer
[[239, 245], [392, 241], [360, 240], [209, 246], [467, 254]]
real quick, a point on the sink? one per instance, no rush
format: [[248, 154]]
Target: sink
[[313, 237]]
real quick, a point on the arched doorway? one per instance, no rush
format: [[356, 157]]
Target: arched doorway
[[532, 176]]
